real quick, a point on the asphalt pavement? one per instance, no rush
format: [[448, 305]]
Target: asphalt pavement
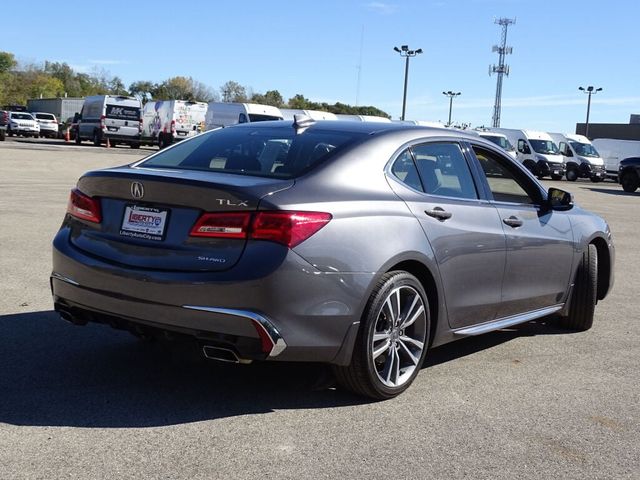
[[91, 402]]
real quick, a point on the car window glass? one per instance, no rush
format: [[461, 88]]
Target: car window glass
[[405, 170], [502, 180], [267, 152], [444, 170]]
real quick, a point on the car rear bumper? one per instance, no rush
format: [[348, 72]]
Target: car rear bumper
[[292, 312]]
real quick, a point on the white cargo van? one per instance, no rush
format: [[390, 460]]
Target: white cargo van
[[115, 118], [499, 139], [362, 118], [223, 114], [536, 151], [288, 114], [613, 150], [580, 157], [168, 121]]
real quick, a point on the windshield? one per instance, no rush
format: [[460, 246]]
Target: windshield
[[544, 146], [265, 152], [500, 141], [21, 116], [258, 117], [585, 149]]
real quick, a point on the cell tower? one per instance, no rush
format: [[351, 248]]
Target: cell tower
[[501, 69]]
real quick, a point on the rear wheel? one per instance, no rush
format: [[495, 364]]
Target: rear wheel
[[161, 142], [583, 298], [630, 182], [556, 177], [134, 145], [97, 138], [392, 340], [9, 132]]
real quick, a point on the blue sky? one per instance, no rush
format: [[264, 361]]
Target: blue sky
[[315, 48]]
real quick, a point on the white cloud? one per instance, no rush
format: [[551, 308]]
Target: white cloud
[[382, 8]]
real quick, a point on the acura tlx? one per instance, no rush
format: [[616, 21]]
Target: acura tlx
[[357, 244]]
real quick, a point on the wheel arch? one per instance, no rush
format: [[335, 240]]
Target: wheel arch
[[427, 279], [604, 266]]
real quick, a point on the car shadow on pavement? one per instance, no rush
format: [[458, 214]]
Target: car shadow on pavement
[[610, 192], [56, 374]]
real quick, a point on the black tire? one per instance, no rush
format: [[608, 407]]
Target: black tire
[[583, 298], [556, 177], [9, 132], [97, 138], [2, 135], [134, 145], [77, 138], [364, 375], [596, 179], [630, 182], [161, 142], [572, 175]]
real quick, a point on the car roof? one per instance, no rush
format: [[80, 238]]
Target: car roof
[[371, 128]]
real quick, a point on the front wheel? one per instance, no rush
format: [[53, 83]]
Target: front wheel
[[630, 182], [392, 341], [572, 175], [556, 177], [583, 297]]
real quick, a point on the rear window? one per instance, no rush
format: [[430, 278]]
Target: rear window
[[265, 152], [21, 116], [260, 117], [122, 113], [45, 116]]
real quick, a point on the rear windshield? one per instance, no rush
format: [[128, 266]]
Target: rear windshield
[[44, 116], [265, 152], [122, 113]]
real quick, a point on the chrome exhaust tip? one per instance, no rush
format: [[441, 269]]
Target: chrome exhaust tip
[[222, 355]]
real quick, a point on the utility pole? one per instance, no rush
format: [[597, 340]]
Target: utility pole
[[404, 51], [451, 96], [501, 69], [589, 91]]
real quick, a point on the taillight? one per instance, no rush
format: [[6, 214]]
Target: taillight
[[287, 228], [222, 225], [173, 126], [84, 207], [102, 122], [140, 125]]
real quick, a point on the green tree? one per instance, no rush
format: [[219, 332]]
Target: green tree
[[299, 101], [233, 92], [7, 62]]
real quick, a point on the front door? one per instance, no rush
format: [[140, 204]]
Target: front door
[[539, 241]]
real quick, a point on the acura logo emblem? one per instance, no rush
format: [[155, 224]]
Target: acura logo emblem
[[137, 190]]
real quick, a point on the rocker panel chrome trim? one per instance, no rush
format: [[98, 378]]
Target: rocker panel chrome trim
[[507, 321]]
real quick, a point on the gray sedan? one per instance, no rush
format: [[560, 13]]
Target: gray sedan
[[357, 244]]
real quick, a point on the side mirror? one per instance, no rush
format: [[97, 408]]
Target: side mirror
[[568, 153], [559, 199]]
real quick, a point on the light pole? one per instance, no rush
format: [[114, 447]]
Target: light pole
[[451, 95], [589, 91], [405, 52]]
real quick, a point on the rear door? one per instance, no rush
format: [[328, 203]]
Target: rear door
[[463, 230], [122, 117], [540, 242]]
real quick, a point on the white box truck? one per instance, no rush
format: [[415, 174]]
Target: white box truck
[[224, 114], [112, 118], [536, 151], [288, 114], [580, 157], [167, 121], [613, 151]]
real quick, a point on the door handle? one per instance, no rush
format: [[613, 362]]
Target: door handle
[[439, 213], [513, 221]]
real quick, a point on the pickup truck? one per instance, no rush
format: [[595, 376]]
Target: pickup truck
[[629, 174]]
